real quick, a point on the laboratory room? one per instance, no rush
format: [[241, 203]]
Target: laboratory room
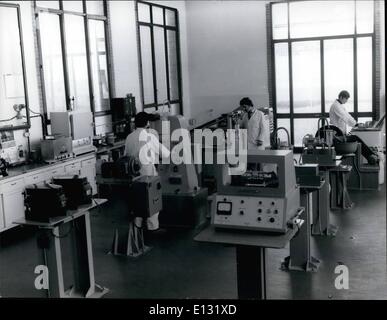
[[193, 150]]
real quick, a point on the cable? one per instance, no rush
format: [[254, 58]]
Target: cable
[[6, 120]]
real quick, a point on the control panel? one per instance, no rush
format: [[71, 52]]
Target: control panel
[[256, 213]]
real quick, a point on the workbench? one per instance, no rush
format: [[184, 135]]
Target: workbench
[[250, 254], [49, 242]]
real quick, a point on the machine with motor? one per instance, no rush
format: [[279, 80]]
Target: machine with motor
[[76, 125], [264, 198], [56, 147], [184, 201], [77, 190], [44, 201], [318, 149]]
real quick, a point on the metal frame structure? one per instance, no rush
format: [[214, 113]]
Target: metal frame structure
[[28, 125], [291, 115], [87, 17], [165, 27]]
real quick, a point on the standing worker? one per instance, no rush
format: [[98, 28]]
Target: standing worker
[[142, 144], [340, 117], [253, 122]]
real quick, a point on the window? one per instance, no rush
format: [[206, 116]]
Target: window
[[318, 49], [160, 56], [74, 56]]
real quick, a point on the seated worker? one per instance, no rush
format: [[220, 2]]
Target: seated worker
[[134, 145], [341, 118], [253, 122]]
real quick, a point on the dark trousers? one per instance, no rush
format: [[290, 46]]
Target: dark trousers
[[366, 151]]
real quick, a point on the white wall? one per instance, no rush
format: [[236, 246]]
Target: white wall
[[31, 73], [227, 56]]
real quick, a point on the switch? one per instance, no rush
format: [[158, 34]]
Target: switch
[[272, 220], [272, 203], [276, 211], [242, 201], [241, 212], [259, 218], [260, 202], [260, 210]]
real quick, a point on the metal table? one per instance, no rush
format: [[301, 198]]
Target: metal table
[[49, 241], [250, 255]]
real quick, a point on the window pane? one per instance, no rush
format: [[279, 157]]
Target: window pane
[[173, 66], [280, 21], [306, 77], [161, 74], [170, 18], [76, 6], [158, 15], [303, 127], [143, 12], [321, 18], [364, 120], [95, 7], [146, 63], [48, 4], [281, 133], [338, 69], [282, 77], [99, 64], [52, 62], [11, 67], [364, 74], [77, 62], [365, 16]]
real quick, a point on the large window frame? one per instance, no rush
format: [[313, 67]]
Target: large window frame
[[165, 28], [87, 17], [291, 116]]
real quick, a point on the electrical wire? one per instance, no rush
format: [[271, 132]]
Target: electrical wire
[[6, 120]]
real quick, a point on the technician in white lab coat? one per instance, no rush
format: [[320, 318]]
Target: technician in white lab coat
[[146, 147], [340, 118], [253, 122]]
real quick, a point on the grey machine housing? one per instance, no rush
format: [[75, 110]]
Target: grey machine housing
[[260, 208]]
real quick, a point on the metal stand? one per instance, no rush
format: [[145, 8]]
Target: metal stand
[[251, 272], [321, 212], [340, 198], [49, 240], [130, 242], [300, 258], [83, 267]]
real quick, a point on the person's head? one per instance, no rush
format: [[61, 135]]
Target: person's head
[[141, 120], [246, 104], [343, 96]]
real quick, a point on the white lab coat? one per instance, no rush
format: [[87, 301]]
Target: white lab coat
[[340, 117], [134, 147], [255, 129]]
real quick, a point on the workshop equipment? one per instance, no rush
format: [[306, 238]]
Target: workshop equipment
[[146, 196], [45, 201], [184, 202], [78, 125], [77, 190], [57, 147], [308, 175], [264, 198], [319, 149]]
